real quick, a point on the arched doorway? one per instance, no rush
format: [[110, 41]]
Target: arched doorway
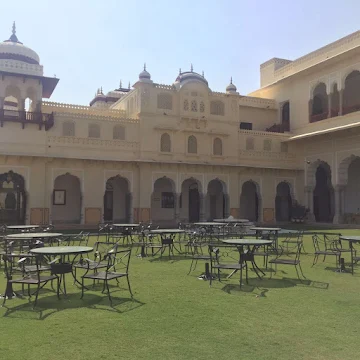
[[190, 200], [351, 97], [285, 116], [319, 103], [163, 202], [283, 202], [352, 188], [249, 201], [117, 200], [12, 199], [323, 194], [216, 200], [66, 205]]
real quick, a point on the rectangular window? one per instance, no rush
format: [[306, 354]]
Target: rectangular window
[[167, 200], [246, 126]]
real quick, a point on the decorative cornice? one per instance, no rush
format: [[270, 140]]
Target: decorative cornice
[[64, 140]]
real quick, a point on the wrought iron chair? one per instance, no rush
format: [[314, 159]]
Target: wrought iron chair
[[295, 261], [117, 267], [17, 272], [216, 263], [325, 247], [195, 246]]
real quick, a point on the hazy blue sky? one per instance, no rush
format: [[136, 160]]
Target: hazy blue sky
[[89, 44]]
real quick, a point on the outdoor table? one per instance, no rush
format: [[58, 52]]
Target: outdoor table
[[252, 245], [126, 225], [167, 236], [209, 226], [272, 231], [27, 236], [22, 227], [62, 267], [232, 221], [351, 240]]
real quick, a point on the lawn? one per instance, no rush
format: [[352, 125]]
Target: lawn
[[177, 316]]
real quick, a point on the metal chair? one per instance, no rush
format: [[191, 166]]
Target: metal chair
[[25, 277], [117, 267], [280, 260], [325, 247]]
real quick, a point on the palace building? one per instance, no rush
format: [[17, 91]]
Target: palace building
[[181, 152]]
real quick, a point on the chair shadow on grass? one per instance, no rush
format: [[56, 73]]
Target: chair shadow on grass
[[171, 259], [48, 305]]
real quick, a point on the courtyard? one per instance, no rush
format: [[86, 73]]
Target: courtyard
[[174, 315]]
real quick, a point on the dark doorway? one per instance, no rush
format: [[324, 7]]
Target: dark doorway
[[323, 195], [108, 202], [13, 199], [283, 202], [249, 202], [194, 203]]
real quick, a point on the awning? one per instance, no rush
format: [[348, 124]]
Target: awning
[[322, 132]]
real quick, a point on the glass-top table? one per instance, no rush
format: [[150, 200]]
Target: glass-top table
[[22, 227], [351, 240], [27, 236], [63, 266]]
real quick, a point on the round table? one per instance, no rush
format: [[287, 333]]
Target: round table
[[126, 225], [232, 221], [351, 240], [44, 235], [22, 227], [167, 238], [271, 230], [252, 245], [62, 267]]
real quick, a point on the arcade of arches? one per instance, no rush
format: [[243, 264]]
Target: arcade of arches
[[190, 200]]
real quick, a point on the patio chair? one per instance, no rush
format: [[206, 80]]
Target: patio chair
[[195, 247], [17, 272], [217, 264], [325, 247], [117, 267], [295, 261]]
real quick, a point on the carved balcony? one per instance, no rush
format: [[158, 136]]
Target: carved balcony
[[24, 118]]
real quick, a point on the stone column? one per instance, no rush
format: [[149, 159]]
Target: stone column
[[341, 92], [338, 216], [310, 109], [329, 106], [130, 208], [226, 206], [202, 207], [177, 207], [2, 101], [309, 198], [21, 105]]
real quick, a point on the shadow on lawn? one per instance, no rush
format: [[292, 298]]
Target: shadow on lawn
[[48, 305], [269, 283]]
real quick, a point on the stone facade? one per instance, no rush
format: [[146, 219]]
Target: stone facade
[[181, 152]]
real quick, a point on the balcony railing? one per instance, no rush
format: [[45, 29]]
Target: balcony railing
[[350, 109], [27, 118], [279, 128], [318, 117]]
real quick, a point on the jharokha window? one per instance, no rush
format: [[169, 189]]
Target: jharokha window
[[217, 147], [94, 131], [194, 106], [186, 105], [164, 101], [217, 108], [68, 128], [192, 145], [118, 132], [165, 143]]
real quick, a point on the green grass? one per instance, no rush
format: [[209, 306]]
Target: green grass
[[177, 316]]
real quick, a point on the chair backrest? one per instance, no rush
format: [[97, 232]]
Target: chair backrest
[[118, 260], [17, 263], [102, 248]]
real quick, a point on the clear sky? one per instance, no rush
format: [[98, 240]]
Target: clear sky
[[94, 43]]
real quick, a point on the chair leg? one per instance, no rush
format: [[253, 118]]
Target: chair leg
[[241, 270], [58, 288], [315, 259], [128, 281], [246, 268], [36, 296], [82, 288], [108, 291], [192, 261], [301, 271]]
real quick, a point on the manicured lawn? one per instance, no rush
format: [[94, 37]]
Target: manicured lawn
[[177, 316]]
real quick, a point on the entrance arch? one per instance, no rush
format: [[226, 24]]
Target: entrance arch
[[12, 199], [117, 200], [163, 202], [283, 202], [216, 200], [250, 201], [323, 196], [352, 187], [66, 204], [190, 200]]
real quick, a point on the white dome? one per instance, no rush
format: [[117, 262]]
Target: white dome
[[189, 76], [231, 88], [144, 75], [13, 49]]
